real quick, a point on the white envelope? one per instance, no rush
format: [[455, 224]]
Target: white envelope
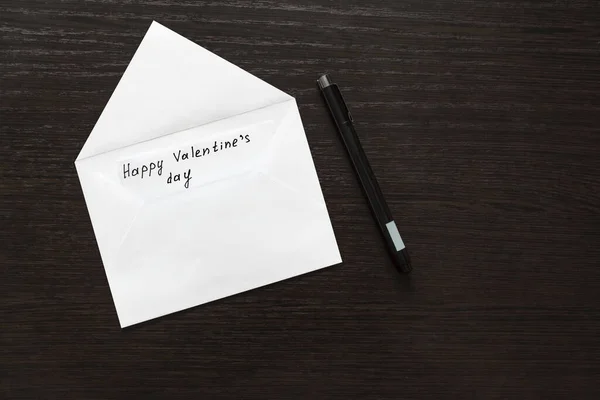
[[236, 203]]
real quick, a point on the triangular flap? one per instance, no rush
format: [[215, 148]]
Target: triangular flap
[[170, 85]]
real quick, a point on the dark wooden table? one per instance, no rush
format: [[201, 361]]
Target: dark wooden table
[[482, 121]]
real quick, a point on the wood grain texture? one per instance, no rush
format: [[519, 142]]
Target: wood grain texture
[[482, 123]]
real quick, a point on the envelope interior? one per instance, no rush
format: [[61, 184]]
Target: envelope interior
[[251, 215]]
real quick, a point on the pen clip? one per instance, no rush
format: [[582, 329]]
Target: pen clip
[[346, 109]]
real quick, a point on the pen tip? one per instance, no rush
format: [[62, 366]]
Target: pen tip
[[403, 260]]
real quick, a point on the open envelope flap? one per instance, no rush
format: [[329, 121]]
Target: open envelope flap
[[172, 84], [251, 215]]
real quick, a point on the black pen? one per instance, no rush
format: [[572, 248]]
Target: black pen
[[343, 120]]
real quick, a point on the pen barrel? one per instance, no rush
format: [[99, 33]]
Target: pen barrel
[[365, 174], [362, 167]]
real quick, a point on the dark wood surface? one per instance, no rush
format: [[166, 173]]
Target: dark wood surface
[[482, 122]]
